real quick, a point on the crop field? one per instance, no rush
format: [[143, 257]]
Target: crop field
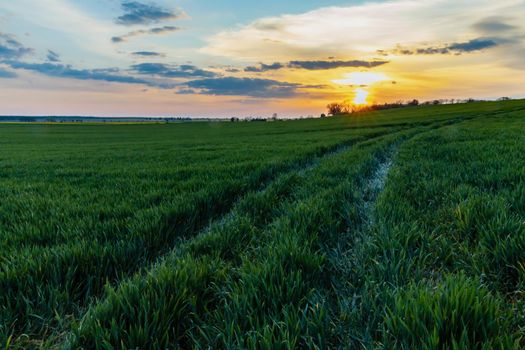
[[397, 229]]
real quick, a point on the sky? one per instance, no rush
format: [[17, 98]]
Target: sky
[[226, 58]]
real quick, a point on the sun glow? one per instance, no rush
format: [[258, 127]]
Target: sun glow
[[361, 81], [361, 96], [362, 78]]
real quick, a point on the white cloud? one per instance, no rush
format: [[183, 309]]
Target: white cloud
[[359, 29], [89, 34]]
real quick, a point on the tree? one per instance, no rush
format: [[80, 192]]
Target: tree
[[414, 102], [335, 108]]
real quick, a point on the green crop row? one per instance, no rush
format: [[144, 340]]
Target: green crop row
[[262, 235], [250, 281], [55, 280], [442, 267]]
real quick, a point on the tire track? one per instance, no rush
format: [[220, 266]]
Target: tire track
[[300, 169], [342, 255]]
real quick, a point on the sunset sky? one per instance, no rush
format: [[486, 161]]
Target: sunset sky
[[247, 58]]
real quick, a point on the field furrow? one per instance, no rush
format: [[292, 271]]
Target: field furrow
[[56, 282], [265, 235], [418, 277], [276, 240]]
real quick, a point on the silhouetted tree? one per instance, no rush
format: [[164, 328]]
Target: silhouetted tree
[[335, 108]]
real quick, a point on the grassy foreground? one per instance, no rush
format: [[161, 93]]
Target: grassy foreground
[[395, 229]]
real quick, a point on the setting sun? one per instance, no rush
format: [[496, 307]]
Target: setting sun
[[361, 96]]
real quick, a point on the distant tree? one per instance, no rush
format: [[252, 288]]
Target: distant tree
[[436, 102], [335, 108], [323, 115], [414, 102], [274, 116], [504, 98]]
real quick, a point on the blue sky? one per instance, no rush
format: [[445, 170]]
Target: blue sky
[[226, 57]]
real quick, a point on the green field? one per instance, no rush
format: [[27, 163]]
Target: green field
[[400, 229]]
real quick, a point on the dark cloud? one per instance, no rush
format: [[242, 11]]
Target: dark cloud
[[231, 86], [66, 71], [427, 51], [11, 48], [148, 54], [450, 49], [139, 13], [324, 65], [264, 67], [171, 71], [314, 65], [232, 70], [52, 56], [495, 24], [7, 74], [152, 31], [473, 45]]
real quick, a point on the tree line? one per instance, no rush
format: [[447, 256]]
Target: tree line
[[345, 107]]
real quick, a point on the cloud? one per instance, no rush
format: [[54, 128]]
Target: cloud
[[139, 13], [172, 71], [11, 48], [113, 75], [323, 65], [494, 24], [314, 65], [83, 32], [231, 86], [354, 30], [152, 31], [473, 45], [53, 56], [187, 92], [7, 74], [264, 67], [454, 48], [148, 54]]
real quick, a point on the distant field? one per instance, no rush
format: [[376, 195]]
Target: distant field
[[395, 229]]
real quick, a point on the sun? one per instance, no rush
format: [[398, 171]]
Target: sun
[[361, 96], [361, 81]]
